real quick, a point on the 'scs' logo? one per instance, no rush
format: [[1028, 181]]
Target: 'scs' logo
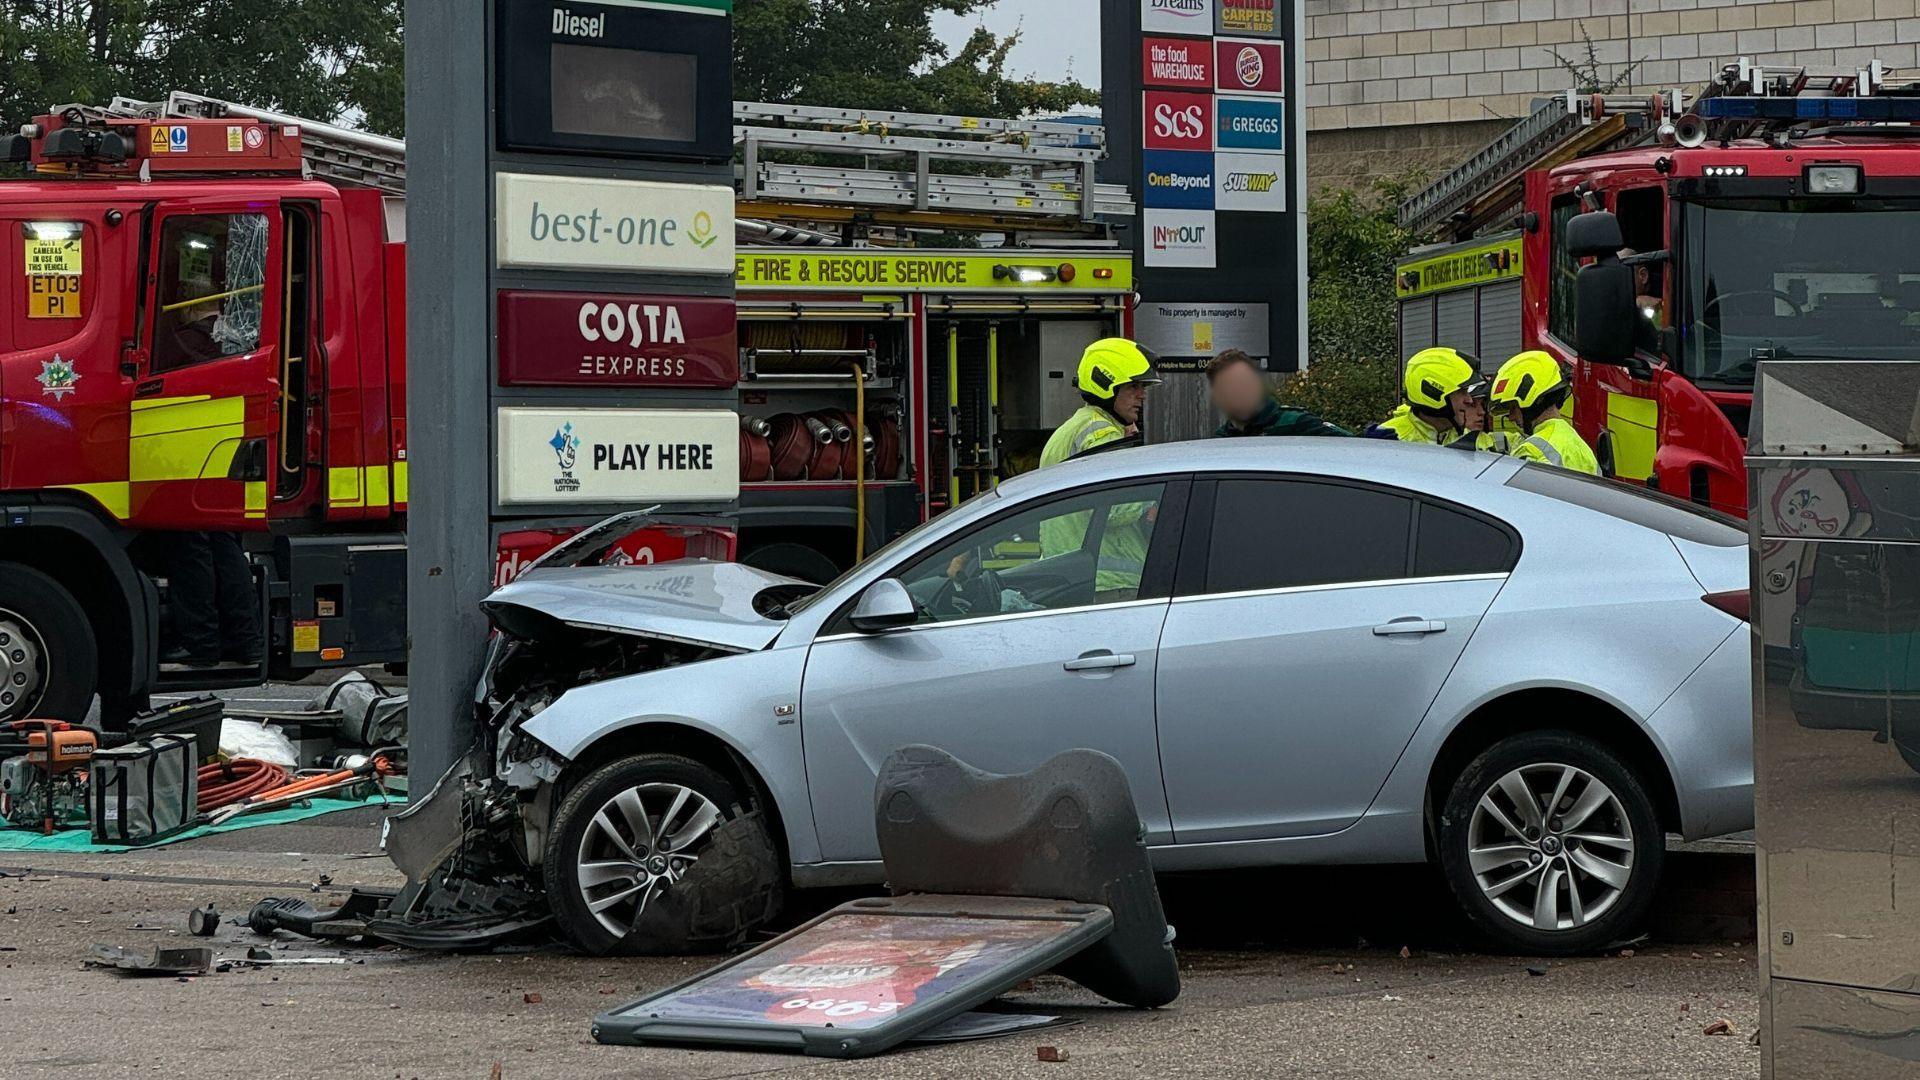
[[1178, 123]]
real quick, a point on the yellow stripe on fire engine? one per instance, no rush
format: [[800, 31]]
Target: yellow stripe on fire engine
[[355, 485], [179, 438], [1635, 423], [925, 271], [1458, 266], [114, 496], [400, 483], [256, 498]]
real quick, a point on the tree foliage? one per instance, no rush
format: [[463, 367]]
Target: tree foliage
[[882, 54], [1353, 240], [324, 59]]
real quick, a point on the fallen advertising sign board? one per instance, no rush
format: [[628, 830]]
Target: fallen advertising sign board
[[864, 977]]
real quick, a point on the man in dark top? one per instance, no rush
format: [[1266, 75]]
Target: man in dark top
[[1239, 391]]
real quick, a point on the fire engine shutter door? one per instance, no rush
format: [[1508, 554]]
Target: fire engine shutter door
[[1416, 325], [1454, 323], [1499, 324]]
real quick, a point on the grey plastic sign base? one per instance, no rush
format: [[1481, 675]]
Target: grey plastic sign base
[[864, 977]]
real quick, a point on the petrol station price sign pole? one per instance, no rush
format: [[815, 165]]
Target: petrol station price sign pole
[[571, 325], [1203, 102]]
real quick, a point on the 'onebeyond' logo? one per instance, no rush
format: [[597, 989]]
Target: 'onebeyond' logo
[[1179, 181]]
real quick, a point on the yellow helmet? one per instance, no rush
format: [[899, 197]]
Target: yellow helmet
[[1527, 378], [1111, 363], [1434, 374]]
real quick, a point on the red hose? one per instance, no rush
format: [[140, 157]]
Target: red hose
[[226, 782]]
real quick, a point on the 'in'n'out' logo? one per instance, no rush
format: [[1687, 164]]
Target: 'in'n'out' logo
[[566, 448]]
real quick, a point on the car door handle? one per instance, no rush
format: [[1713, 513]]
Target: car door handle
[[1409, 626], [1099, 661]]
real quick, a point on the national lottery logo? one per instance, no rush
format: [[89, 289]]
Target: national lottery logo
[[566, 449], [1249, 67]]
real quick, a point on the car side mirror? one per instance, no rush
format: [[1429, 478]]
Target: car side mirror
[[885, 605]]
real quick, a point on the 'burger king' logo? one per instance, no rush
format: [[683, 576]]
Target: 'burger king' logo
[[1249, 67]]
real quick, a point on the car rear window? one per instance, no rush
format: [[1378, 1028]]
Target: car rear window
[[1452, 543], [1615, 499]]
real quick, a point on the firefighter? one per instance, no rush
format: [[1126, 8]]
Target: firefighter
[[1113, 379], [1441, 385], [1531, 389], [1240, 393]]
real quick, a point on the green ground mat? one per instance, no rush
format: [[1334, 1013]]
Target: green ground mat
[[81, 840]]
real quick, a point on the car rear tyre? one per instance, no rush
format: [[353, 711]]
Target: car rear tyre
[[657, 854], [48, 665], [1551, 844]]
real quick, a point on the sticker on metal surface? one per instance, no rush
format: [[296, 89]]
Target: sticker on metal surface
[[53, 248], [306, 636], [157, 140], [57, 378], [235, 142], [865, 976]]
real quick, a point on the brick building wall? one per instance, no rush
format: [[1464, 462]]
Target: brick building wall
[[1400, 84]]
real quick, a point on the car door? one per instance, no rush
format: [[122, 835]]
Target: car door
[[1039, 632], [1313, 624]]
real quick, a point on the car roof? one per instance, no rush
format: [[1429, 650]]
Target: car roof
[[1406, 465]]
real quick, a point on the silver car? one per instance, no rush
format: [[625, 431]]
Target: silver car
[[1302, 651]]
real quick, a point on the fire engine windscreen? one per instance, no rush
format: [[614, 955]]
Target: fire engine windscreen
[[213, 271], [624, 93], [1798, 279]]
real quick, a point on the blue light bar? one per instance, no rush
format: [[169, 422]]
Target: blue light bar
[[1840, 109]]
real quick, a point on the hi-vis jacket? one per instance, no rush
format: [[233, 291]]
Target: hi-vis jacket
[[1123, 544], [1084, 430], [1556, 442]]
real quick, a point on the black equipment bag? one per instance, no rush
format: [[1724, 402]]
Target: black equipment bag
[[144, 791]]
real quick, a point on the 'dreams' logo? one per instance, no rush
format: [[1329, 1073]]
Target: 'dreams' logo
[[1185, 9], [566, 448], [588, 26]]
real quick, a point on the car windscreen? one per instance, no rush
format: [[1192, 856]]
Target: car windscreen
[[1615, 499]]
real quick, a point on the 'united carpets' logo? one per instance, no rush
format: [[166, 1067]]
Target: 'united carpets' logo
[[566, 448], [57, 378]]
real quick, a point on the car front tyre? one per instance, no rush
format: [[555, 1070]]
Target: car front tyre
[[656, 854], [1551, 844]]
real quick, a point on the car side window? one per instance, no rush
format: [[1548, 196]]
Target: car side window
[[1452, 542], [1273, 534], [1089, 548], [213, 273]]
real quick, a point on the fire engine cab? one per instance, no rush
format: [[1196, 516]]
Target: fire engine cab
[[1661, 247], [203, 331]]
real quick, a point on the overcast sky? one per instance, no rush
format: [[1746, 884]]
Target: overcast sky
[[1057, 37]]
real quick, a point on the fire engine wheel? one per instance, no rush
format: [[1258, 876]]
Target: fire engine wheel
[[656, 855], [1551, 844], [793, 560], [47, 661]]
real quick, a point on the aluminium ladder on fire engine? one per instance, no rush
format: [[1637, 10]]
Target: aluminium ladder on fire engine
[[1050, 180], [327, 152], [1487, 186]]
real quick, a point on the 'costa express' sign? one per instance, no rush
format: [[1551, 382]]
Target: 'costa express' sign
[[602, 339]]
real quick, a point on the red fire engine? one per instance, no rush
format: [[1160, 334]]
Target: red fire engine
[[1765, 217], [204, 330]]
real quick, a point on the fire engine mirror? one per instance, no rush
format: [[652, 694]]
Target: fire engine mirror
[[1604, 319], [1593, 235], [885, 605]]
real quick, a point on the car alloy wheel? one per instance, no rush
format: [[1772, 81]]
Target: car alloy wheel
[[638, 844], [23, 666], [1550, 846]]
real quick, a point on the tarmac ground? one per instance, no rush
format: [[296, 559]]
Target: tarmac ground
[[1357, 972]]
